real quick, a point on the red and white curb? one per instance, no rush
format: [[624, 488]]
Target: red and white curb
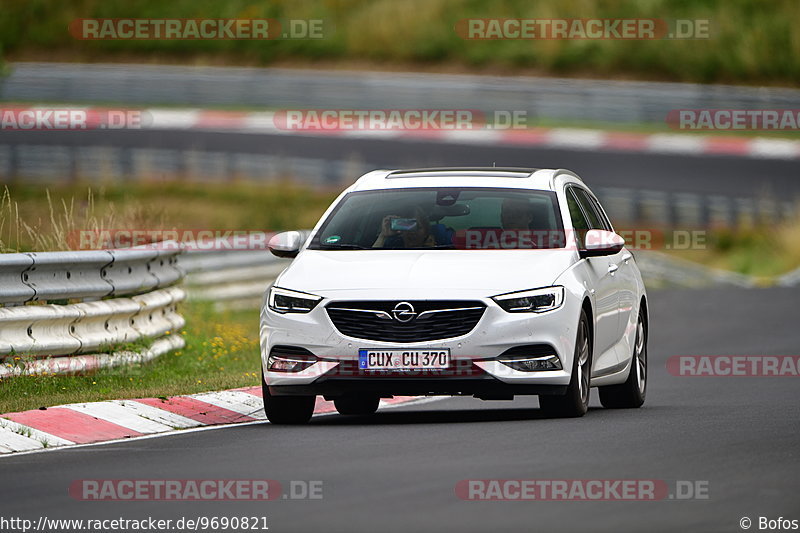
[[566, 138], [583, 139], [112, 420]]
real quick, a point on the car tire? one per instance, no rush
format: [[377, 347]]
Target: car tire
[[631, 394], [287, 409], [575, 402], [357, 405]]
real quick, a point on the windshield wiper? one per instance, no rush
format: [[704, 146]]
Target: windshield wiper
[[343, 246], [435, 247]]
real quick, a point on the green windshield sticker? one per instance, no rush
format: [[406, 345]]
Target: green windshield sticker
[[333, 239]]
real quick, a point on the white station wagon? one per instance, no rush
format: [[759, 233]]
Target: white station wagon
[[485, 282]]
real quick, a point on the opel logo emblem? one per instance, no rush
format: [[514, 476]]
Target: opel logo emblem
[[403, 312]]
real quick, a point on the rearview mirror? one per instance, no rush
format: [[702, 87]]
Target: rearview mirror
[[598, 242], [286, 244]]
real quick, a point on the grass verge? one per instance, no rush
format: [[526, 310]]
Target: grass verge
[[34, 218], [763, 252], [221, 352]]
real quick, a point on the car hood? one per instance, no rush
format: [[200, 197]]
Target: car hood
[[492, 271]]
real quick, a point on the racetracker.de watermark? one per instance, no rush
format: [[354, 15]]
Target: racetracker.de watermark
[[194, 490], [169, 239], [122, 29], [734, 365], [734, 119], [72, 119], [465, 239], [580, 490], [582, 28], [378, 119], [400, 119]]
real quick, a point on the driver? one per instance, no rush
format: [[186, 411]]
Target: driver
[[418, 236], [515, 214]]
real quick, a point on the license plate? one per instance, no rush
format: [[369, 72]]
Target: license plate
[[401, 359]]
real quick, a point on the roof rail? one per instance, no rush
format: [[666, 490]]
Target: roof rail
[[563, 171], [515, 172]]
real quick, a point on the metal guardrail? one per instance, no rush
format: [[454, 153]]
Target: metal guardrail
[[626, 205], [45, 276], [79, 364], [42, 330], [88, 309], [660, 270], [548, 98], [790, 279], [231, 278], [238, 279]]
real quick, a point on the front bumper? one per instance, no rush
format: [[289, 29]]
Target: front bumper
[[473, 356]]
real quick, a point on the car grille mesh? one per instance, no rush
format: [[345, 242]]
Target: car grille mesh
[[434, 319]]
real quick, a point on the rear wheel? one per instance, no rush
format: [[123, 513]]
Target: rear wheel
[[630, 394], [356, 405], [287, 409], [575, 402]]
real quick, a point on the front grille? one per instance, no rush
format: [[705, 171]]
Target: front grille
[[458, 368], [432, 319]]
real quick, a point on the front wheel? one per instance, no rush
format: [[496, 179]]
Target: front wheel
[[287, 409], [630, 394], [575, 402]]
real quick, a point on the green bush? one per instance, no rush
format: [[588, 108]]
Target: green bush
[[752, 41]]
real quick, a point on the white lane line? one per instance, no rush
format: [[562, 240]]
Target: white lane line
[[120, 415], [41, 436], [14, 442], [237, 401]]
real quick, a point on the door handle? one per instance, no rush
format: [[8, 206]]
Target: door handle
[[613, 268], [626, 257]]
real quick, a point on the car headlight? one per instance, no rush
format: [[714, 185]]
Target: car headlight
[[286, 301], [532, 301]]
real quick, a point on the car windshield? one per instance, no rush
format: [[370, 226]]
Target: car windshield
[[443, 218]]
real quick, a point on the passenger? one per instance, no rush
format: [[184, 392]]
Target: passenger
[[417, 236]]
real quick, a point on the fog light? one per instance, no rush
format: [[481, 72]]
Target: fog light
[[289, 363], [532, 364]]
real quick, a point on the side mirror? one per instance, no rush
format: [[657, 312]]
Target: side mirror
[[598, 242], [286, 244]]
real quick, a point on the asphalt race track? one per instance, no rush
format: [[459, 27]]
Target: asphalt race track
[[397, 471], [702, 174]]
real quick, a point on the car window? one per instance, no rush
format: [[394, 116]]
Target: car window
[[593, 216], [598, 209], [446, 217], [579, 221], [577, 216], [602, 212]]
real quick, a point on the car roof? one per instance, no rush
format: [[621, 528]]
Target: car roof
[[501, 177]]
